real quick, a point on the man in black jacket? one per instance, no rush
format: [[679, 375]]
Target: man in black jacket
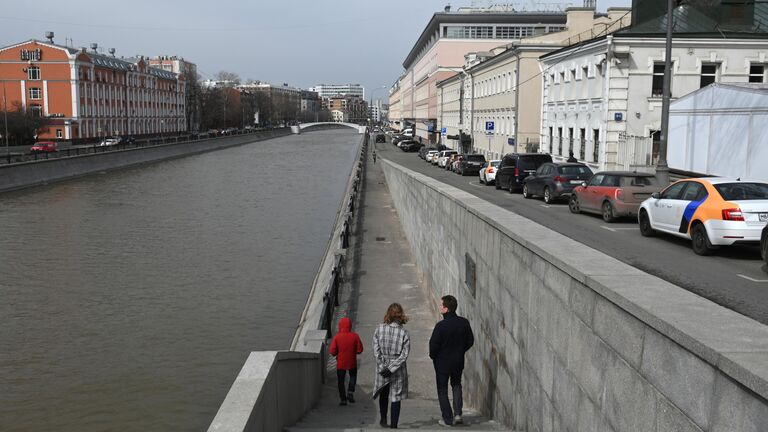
[[451, 338]]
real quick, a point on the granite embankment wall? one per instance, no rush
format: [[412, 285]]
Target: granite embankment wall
[[568, 338], [27, 174]]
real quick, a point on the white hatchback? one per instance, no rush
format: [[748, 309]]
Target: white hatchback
[[488, 171], [430, 155], [442, 159]]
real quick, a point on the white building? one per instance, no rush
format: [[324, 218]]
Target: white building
[[721, 130], [330, 90], [340, 116], [602, 98]]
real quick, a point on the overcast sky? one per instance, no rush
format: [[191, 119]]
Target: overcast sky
[[299, 42]]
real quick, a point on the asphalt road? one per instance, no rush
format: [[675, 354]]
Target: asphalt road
[[735, 277]]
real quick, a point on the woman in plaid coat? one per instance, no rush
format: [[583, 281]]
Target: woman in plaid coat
[[391, 346]]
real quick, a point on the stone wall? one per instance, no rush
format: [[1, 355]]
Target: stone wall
[[570, 339], [27, 174]]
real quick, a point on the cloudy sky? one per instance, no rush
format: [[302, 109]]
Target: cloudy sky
[[300, 42]]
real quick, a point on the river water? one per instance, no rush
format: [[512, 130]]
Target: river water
[[130, 300]]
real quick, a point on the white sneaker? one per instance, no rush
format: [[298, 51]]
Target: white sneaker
[[458, 420], [442, 422]]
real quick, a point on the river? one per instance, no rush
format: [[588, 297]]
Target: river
[[129, 300]]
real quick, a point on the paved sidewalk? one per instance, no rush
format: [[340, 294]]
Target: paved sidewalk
[[386, 274]]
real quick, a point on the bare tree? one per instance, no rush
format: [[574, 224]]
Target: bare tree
[[227, 79], [24, 125]]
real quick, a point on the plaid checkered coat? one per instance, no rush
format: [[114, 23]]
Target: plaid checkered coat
[[391, 346]]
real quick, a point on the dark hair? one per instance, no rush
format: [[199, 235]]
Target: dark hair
[[395, 314], [450, 303]]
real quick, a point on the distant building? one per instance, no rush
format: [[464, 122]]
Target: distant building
[[339, 115], [85, 94], [285, 100], [354, 107], [180, 66], [329, 90], [378, 111]]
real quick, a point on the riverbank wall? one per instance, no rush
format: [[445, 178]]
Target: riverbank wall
[[568, 338], [34, 173]]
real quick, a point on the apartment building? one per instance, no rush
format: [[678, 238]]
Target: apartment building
[[85, 94], [330, 90]]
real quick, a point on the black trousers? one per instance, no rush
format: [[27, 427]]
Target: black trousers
[[341, 376], [442, 394], [384, 405]]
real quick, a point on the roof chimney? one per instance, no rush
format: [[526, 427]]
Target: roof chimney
[[447, 8], [112, 51], [49, 36], [94, 46]]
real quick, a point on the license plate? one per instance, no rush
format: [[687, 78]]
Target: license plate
[[763, 217], [577, 181]]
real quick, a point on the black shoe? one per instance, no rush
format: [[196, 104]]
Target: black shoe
[[351, 397], [343, 402], [383, 423]]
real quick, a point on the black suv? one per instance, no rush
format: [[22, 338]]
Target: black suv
[[555, 180], [380, 138], [470, 164], [515, 167]]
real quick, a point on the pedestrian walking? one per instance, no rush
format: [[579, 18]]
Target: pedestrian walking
[[451, 338], [571, 157], [345, 346], [391, 346], [374, 157]]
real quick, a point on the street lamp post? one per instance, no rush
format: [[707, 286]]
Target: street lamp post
[[662, 169]]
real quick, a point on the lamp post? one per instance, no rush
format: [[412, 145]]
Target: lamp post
[[662, 169], [371, 99]]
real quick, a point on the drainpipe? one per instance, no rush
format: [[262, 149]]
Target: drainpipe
[[471, 108], [606, 97], [517, 96]]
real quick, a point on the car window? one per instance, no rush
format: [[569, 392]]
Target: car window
[[674, 191], [574, 170], [596, 180], [610, 181], [533, 162], [542, 170], [742, 191], [476, 158], [694, 192], [639, 181], [495, 163]]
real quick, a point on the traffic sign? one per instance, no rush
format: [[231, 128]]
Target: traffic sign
[[444, 131], [511, 141], [489, 126]]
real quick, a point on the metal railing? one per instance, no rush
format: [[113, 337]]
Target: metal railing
[[80, 150]]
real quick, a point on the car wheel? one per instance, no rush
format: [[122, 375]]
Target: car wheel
[[526, 194], [548, 196], [511, 187], [764, 248], [646, 230], [496, 184], [608, 212], [700, 241], [573, 205]]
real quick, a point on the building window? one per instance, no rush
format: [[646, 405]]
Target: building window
[[33, 73], [570, 141], [756, 73], [596, 145], [59, 133], [583, 142], [34, 93], [657, 89], [37, 110], [551, 142], [708, 74], [560, 141]]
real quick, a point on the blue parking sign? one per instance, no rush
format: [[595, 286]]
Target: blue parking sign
[[489, 126]]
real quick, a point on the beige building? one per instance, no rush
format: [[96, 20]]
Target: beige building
[[441, 48], [495, 100]]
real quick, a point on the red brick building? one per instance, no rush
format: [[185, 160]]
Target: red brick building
[[85, 94]]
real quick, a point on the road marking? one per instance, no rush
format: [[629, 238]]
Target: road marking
[[476, 184], [617, 229], [752, 279], [546, 205]]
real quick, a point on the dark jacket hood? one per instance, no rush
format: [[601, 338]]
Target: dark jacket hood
[[345, 325]]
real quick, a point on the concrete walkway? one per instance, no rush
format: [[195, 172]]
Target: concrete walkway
[[387, 274]]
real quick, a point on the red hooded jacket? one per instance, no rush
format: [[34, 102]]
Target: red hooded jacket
[[346, 345]]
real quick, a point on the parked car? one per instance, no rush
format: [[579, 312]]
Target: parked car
[[44, 147], [397, 138], [380, 138], [764, 244], [515, 167], [613, 194], [553, 181], [410, 146], [423, 151], [110, 141], [443, 157], [470, 164], [429, 155], [405, 142], [451, 161], [456, 163], [711, 212], [488, 171]]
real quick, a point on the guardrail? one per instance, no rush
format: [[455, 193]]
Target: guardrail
[[274, 389], [79, 150]]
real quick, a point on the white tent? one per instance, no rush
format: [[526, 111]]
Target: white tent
[[721, 130]]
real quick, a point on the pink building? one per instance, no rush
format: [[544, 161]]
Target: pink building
[[439, 53]]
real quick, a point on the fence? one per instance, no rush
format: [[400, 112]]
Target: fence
[[635, 153]]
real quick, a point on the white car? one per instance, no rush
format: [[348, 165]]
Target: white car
[[106, 142], [430, 154], [442, 159], [711, 212], [488, 171]]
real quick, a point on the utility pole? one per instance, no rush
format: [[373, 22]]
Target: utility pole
[[662, 169]]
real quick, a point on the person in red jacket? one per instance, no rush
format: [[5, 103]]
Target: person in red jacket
[[345, 346]]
